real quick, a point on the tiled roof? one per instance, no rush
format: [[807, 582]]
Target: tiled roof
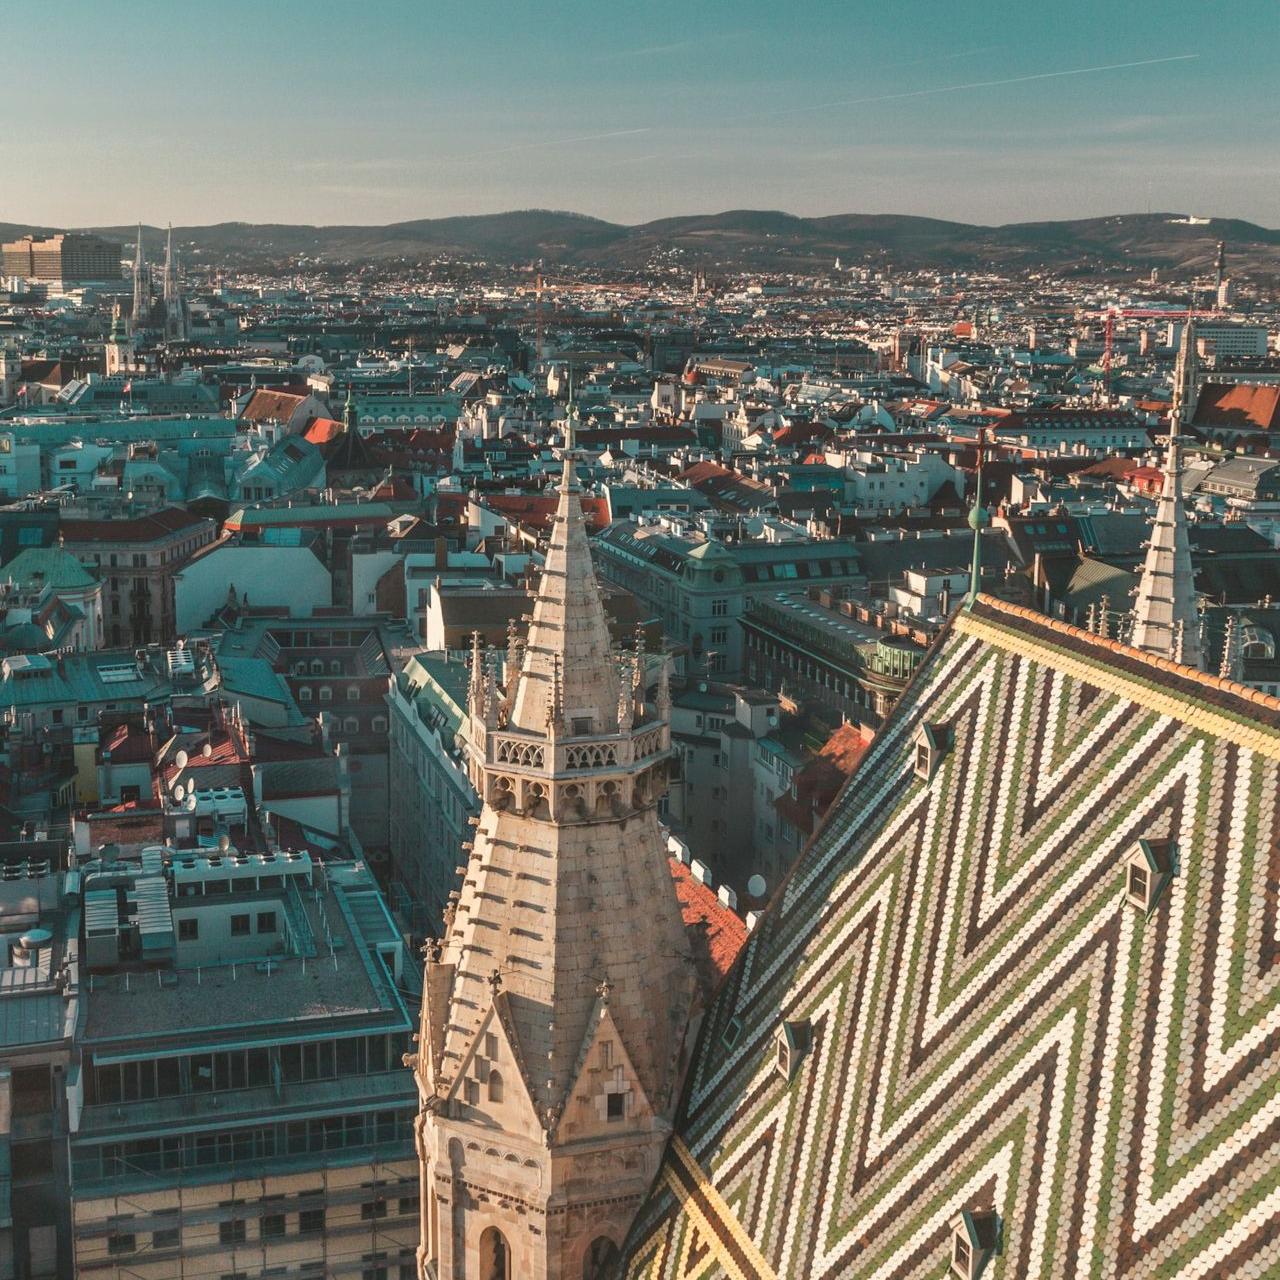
[[149, 528], [270, 406], [716, 932], [1240, 407], [993, 1024]]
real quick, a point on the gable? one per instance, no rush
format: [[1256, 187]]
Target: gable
[[991, 1027]]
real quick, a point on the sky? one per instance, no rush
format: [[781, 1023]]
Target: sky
[[328, 111]]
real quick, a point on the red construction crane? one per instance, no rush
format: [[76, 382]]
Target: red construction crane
[[1131, 313]]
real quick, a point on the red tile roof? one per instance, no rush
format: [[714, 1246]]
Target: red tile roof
[[149, 528], [323, 430], [818, 782], [716, 933], [270, 406], [1242, 407], [536, 511]]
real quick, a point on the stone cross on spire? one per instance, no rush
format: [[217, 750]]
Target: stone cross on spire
[[1165, 618]]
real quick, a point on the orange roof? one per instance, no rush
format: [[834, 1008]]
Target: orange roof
[[717, 934], [1243, 407], [322, 430]]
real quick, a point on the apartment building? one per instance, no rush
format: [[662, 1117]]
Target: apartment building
[[240, 1107]]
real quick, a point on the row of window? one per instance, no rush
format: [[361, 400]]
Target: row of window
[[247, 1147], [271, 1226], [189, 928]]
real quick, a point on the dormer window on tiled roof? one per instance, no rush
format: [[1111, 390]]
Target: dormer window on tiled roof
[[1149, 866], [931, 743], [791, 1043], [975, 1240]]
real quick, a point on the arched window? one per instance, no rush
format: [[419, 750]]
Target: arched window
[[600, 1260], [495, 1087], [304, 693], [378, 724], [495, 1256], [351, 725], [326, 694], [353, 693], [317, 667], [335, 668]]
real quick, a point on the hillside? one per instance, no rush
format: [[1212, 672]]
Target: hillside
[[741, 238]]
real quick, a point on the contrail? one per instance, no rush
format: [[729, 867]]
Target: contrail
[[983, 84]]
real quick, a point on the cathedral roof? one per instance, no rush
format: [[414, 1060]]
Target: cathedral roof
[[990, 1022]]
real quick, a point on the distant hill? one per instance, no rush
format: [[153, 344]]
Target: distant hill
[[757, 239]]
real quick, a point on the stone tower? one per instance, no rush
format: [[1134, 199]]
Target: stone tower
[[119, 347], [175, 311], [557, 1004], [1166, 620]]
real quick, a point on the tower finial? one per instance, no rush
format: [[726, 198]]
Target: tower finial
[[979, 519]]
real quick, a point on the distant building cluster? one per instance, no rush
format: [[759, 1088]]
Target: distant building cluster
[[608, 776]]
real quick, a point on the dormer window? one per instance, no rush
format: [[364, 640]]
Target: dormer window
[[731, 1033], [975, 1240], [791, 1044], [1149, 866], [931, 743]]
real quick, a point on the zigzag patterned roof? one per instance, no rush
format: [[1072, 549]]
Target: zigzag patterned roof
[[993, 1024]]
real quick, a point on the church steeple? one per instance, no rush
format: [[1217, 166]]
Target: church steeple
[[141, 291], [1165, 619], [556, 1009], [175, 318]]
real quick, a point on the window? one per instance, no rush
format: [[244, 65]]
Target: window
[[408, 1206], [616, 1107], [495, 1087], [471, 1092], [490, 1045], [719, 608], [304, 694], [371, 1209], [326, 694], [239, 926], [353, 693], [310, 1222], [166, 1238], [1138, 882], [122, 1242], [272, 1226], [719, 635], [232, 1231], [266, 922], [188, 929]]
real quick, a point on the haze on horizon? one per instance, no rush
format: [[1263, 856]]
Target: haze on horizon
[[325, 111]]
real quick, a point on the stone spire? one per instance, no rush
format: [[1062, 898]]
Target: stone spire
[[979, 519], [175, 318], [141, 293], [547, 1096], [1165, 619]]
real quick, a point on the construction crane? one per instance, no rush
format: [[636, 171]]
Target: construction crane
[[1131, 313]]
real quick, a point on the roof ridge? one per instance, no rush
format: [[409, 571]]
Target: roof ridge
[[1155, 661]]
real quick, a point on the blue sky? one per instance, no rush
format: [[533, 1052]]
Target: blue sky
[[330, 111]]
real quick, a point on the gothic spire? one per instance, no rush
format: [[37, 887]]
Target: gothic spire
[[979, 519], [1165, 619], [141, 294], [568, 631]]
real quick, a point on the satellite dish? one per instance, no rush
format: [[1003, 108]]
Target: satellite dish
[[756, 886], [181, 759], [191, 802], [179, 793], [207, 750], [224, 842]]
